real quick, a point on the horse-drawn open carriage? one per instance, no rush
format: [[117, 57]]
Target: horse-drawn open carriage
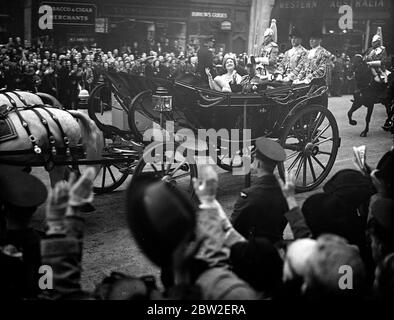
[[296, 116]]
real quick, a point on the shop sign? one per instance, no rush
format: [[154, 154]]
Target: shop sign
[[358, 3], [144, 12], [208, 14], [298, 4], [225, 25], [76, 38], [65, 13]]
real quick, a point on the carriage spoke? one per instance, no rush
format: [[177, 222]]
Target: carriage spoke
[[178, 166], [112, 175], [318, 122], [183, 175], [321, 132], [299, 167], [103, 178], [325, 152], [292, 146], [323, 141], [294, 162], [153, 167], [304, 174], [318, 162], [312, 170], [292, 155]]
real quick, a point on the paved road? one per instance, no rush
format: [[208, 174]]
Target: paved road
[[108, 245]]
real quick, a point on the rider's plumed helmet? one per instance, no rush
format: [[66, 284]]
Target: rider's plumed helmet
[[272, 31]]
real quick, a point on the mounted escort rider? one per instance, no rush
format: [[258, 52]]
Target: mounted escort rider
[[375, 58], [269, 51], [314, 65], [292, 57]]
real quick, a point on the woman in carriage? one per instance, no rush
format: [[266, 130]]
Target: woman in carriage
[[222, 83]]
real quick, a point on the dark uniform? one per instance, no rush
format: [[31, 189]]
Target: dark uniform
[[259, 210], [20, 258]]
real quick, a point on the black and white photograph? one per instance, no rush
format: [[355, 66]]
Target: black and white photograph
[[197, 154]]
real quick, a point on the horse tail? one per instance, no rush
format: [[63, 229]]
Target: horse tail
[[48, 99], [92, 137]]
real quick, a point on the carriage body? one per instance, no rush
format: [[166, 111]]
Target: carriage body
[[296, 116], [201, 108]]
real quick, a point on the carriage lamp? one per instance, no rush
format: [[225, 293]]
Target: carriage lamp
[[162, 101], [83, 97]]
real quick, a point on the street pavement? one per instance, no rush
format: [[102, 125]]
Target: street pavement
[[109, 246]]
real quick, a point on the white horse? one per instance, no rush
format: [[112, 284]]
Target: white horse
[[40, 121]]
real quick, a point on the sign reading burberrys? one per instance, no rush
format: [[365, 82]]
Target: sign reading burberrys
[[72, 13]]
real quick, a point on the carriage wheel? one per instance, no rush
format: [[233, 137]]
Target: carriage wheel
[[169, 166], [100, 104], [311, 140], [109, 178]]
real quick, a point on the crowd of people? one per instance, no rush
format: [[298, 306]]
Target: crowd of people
[[342, 246]]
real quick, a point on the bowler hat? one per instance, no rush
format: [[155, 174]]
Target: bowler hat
[[159, 216], [20, 189]]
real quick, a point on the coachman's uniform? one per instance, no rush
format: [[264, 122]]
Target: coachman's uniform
[[291, 60], [314, 65]]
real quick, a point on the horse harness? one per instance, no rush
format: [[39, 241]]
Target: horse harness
[[32, 138]]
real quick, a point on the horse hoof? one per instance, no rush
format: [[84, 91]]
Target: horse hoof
[[363, 134], [352, 122]]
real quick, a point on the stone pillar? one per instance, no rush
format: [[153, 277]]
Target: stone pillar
[[260, 18], [27, 23]]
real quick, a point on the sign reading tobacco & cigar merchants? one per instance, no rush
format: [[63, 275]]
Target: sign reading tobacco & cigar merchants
[[65, 13]]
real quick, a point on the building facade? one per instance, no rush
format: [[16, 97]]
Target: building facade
[[323, 15], [117, 23]]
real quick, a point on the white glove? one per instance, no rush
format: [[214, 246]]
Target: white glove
[[279, 78], [265, 61]]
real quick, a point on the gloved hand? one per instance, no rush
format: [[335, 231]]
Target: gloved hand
[[81, 191], [206, 186], [57, 205]]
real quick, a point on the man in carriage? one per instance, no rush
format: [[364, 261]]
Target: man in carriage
[[314, 65], [292, 58]]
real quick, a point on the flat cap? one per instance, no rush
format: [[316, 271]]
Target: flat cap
[[21, 189], [270, 149]]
